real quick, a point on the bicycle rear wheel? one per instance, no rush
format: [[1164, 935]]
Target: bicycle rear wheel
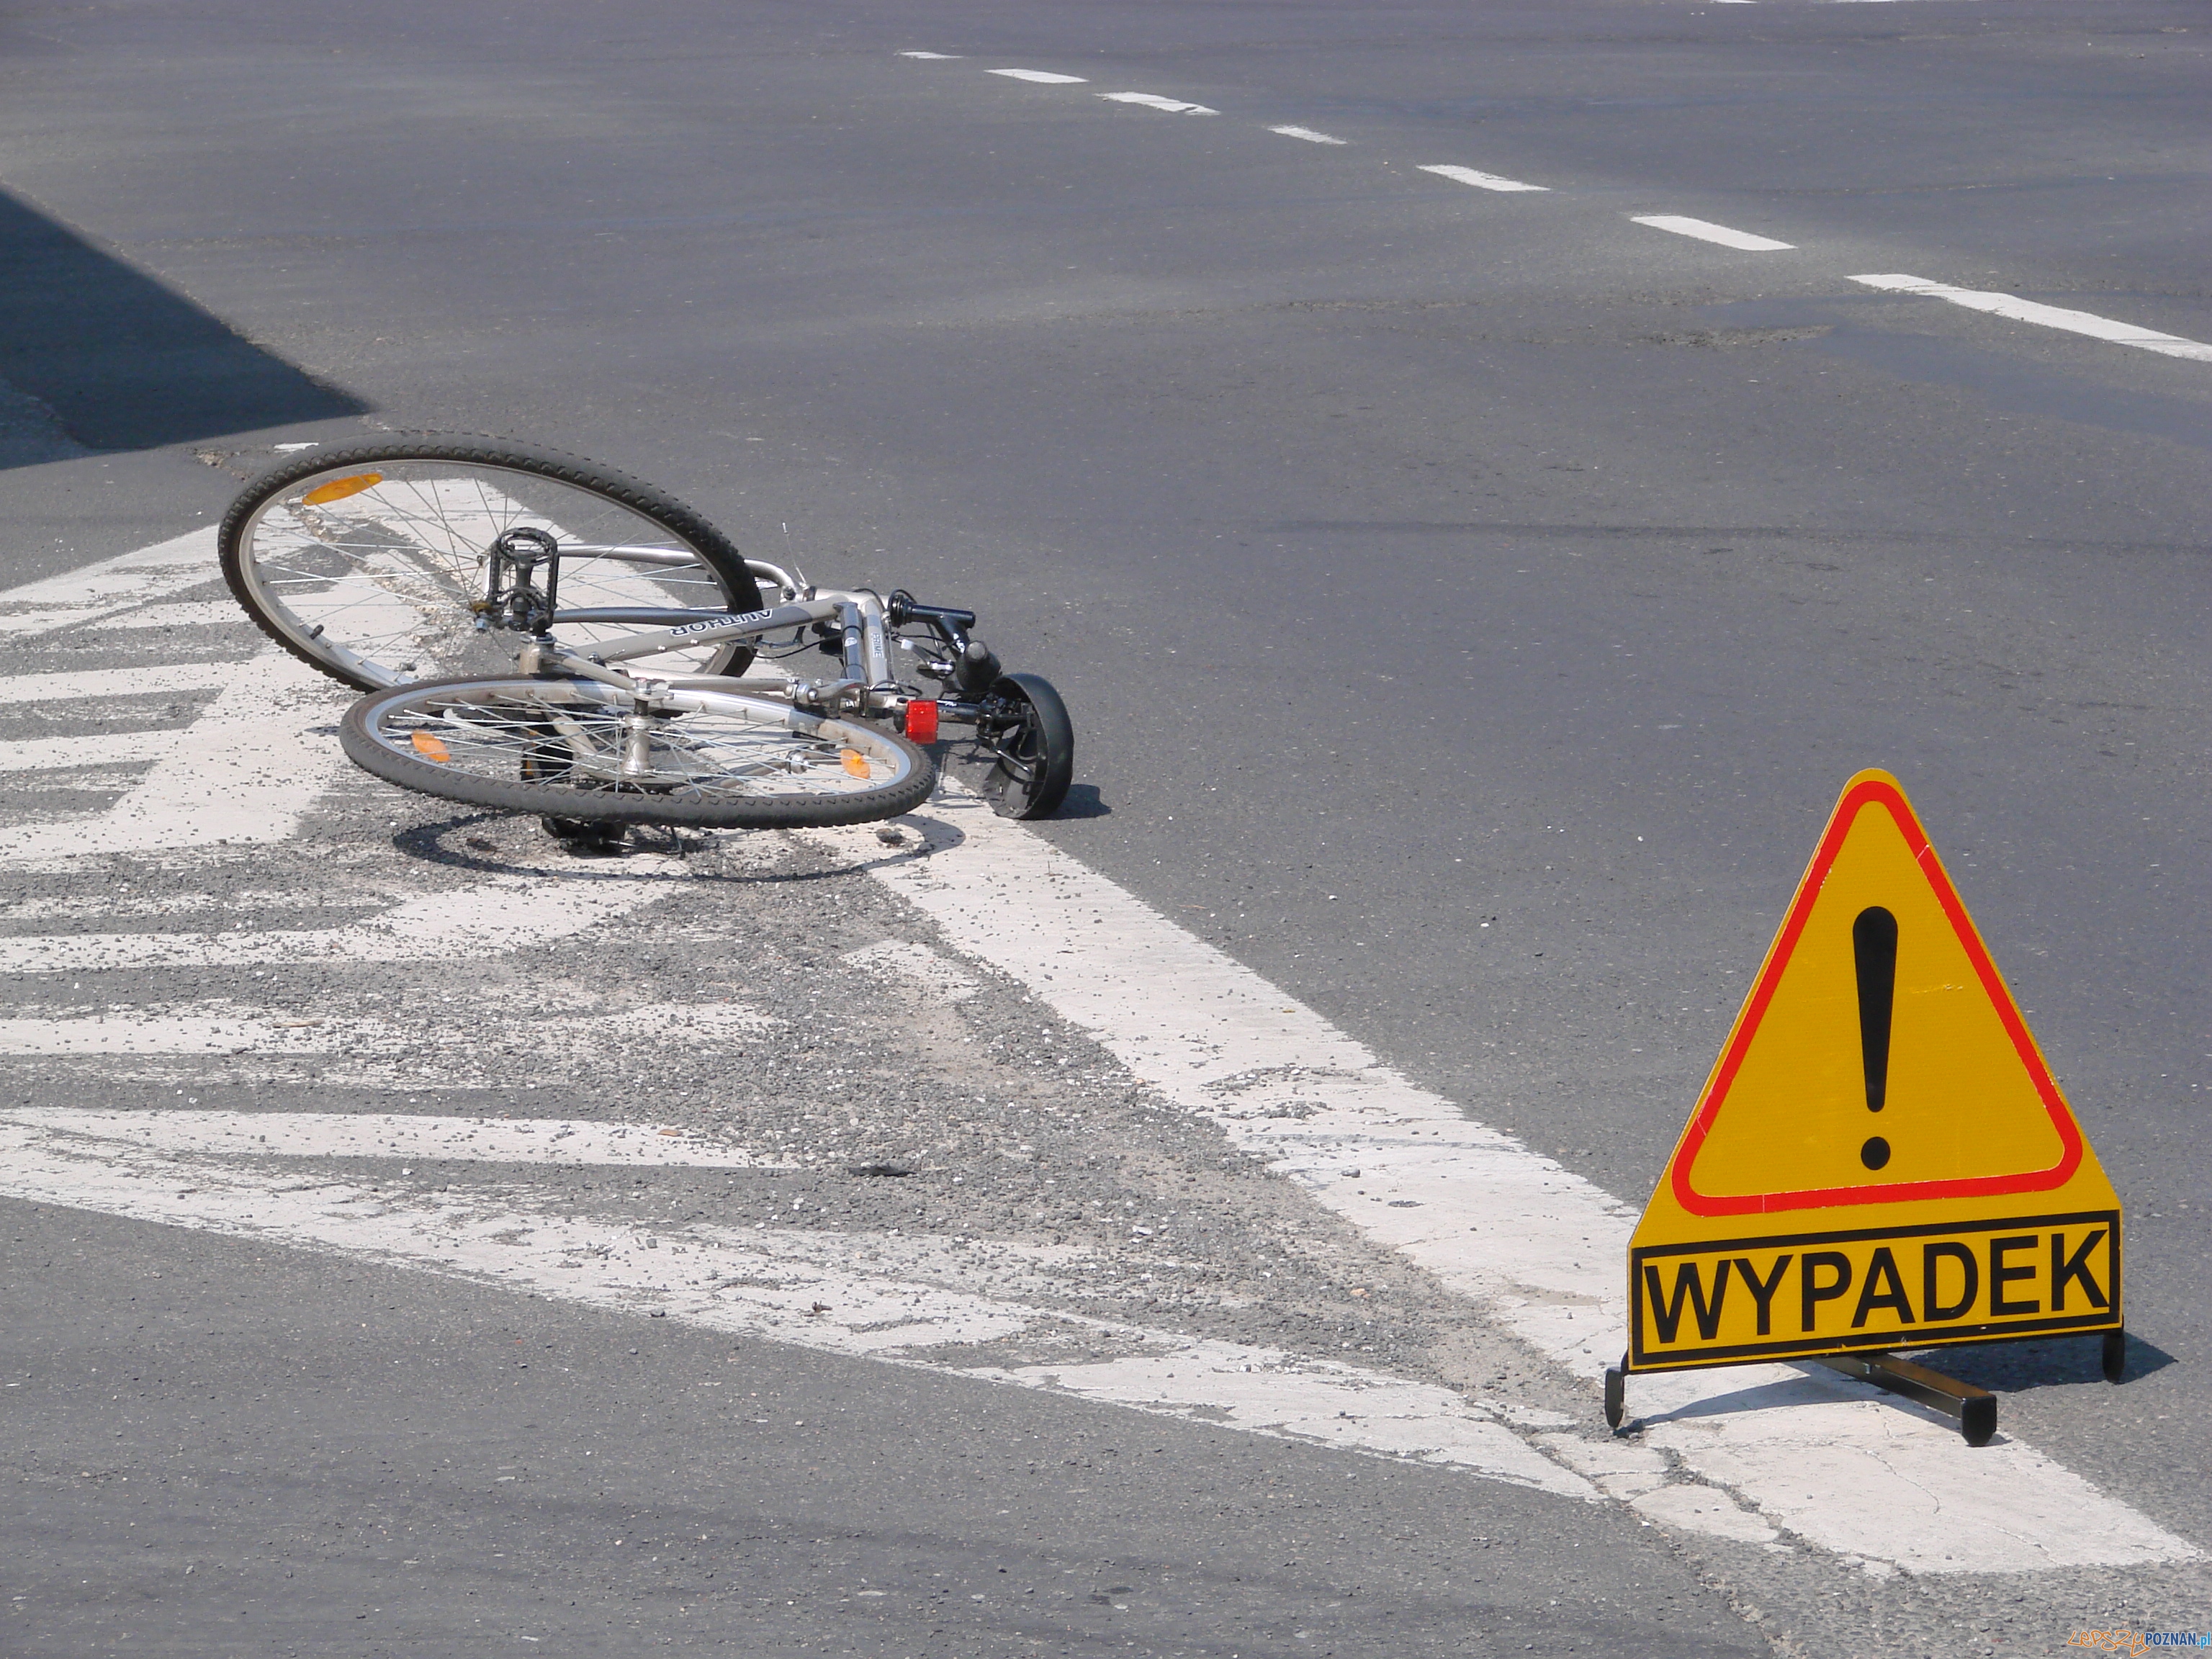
[[574, 750], [1028, 742], [363, 561]]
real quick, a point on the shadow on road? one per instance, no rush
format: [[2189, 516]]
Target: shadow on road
[[97, 355]]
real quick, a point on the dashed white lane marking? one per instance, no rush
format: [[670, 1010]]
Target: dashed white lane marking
[[935, 57], [1705, 231], [1308, 134], [804, 1288], [394, 1134], [1479, 180], [1153, 100], [1042, 77], [1539, 1247], [2028, 311]]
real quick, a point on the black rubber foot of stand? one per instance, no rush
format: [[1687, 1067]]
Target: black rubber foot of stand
[[1977, 1419]]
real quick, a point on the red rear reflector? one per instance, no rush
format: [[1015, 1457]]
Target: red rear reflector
[[922, 721]]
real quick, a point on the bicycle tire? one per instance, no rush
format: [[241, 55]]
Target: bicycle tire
[[1034, 758], [547, 747], [371, 582]]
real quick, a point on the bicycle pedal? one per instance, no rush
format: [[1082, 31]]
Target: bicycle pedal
[[595, 847], [585, 838]]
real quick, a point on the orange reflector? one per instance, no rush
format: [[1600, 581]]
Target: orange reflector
[[426, 744], [338, 489], [922, 720], [856, 763]]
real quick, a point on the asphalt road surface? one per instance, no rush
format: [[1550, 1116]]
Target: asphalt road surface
[[1471, 595]]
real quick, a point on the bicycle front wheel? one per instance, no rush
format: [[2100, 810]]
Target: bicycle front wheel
[[577, 750], [364, 560]]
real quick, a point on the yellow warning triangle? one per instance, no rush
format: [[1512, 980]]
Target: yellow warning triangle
[[1879, 1084], [1879, 1058]]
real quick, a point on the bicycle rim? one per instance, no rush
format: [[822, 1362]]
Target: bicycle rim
[[364, 561], [573, 750]]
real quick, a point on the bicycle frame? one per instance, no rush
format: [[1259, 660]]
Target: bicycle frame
[[858, 620]]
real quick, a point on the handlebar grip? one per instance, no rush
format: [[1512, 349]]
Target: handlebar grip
[[978, 671]]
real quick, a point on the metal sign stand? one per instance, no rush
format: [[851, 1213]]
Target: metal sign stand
[[1974, 1409]]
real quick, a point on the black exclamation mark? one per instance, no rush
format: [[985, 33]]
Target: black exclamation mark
[[1874, 942]]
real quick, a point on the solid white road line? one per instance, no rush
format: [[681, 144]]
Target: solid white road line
[[244, 772], [1153, 100], [791, 1287], [195, 613], [492, 916], [1480, 180], [1042, 77], [222, 1029], [1306, 133], [394, 1134], [1704, 231], [94, 749], [102, 684], [2027, 311], [1540, 1249], [119, 583]]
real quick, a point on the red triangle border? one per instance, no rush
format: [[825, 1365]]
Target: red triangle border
[[1871, 792]]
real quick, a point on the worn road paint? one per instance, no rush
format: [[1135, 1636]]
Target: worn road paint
[[498, 914], [195, 613], [242, 772], [1479, 180], [768, 1285], [1706, 231], [2028, 311], [217, 1029], [393, 1134], [1538, 1247], [927, 970], [1042, 77], [123, 583]]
